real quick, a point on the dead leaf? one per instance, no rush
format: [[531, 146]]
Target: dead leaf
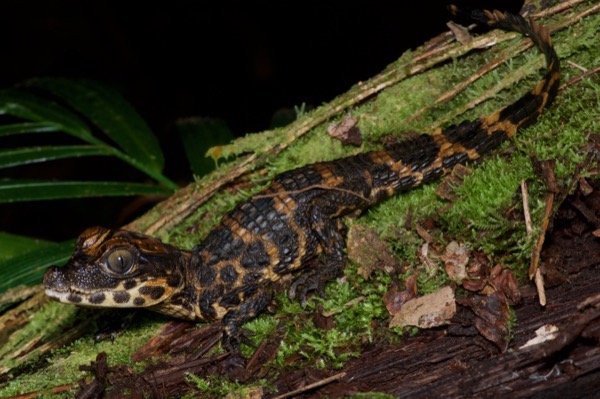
[[461, 33], [483, 279], [370, 252], [346, 130], [394, 299], [478, 271], [492, 317], [323, 322], [428, 311], [547, 332], [503, 279], [424, 234], [456, 258]]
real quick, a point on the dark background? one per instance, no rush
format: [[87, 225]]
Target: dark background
[[241, 62]]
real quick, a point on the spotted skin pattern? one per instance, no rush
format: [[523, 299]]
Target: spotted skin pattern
[[293, 227]]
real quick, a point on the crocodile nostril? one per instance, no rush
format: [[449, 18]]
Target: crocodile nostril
[[54, 278]]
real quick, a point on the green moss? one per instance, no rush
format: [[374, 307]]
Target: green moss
[[319, 347], [62, 366], [353, 305], [220, 387], [46, 323]]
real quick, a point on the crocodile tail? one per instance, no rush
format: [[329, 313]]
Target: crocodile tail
[[526, 110], [426, 157]]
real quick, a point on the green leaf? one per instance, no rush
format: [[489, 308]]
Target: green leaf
[[22, 156], [19, 190], [28, 127], [112, 114], [198, 135], [28, 268], [12, 245], [28, 106]]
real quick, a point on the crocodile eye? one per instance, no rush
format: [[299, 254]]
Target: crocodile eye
[[120, 261]]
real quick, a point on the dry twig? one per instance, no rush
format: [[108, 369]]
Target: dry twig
[[311, 386]]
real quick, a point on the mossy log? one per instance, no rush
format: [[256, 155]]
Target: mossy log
[[441, 82]]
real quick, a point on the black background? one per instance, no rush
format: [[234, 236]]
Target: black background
[[237, 61]]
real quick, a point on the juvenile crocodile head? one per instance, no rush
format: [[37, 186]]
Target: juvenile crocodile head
[[118, 268]]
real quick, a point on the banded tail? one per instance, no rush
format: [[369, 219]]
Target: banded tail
[[427, 157]]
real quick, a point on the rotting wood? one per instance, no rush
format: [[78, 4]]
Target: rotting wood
[[463, 367]]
